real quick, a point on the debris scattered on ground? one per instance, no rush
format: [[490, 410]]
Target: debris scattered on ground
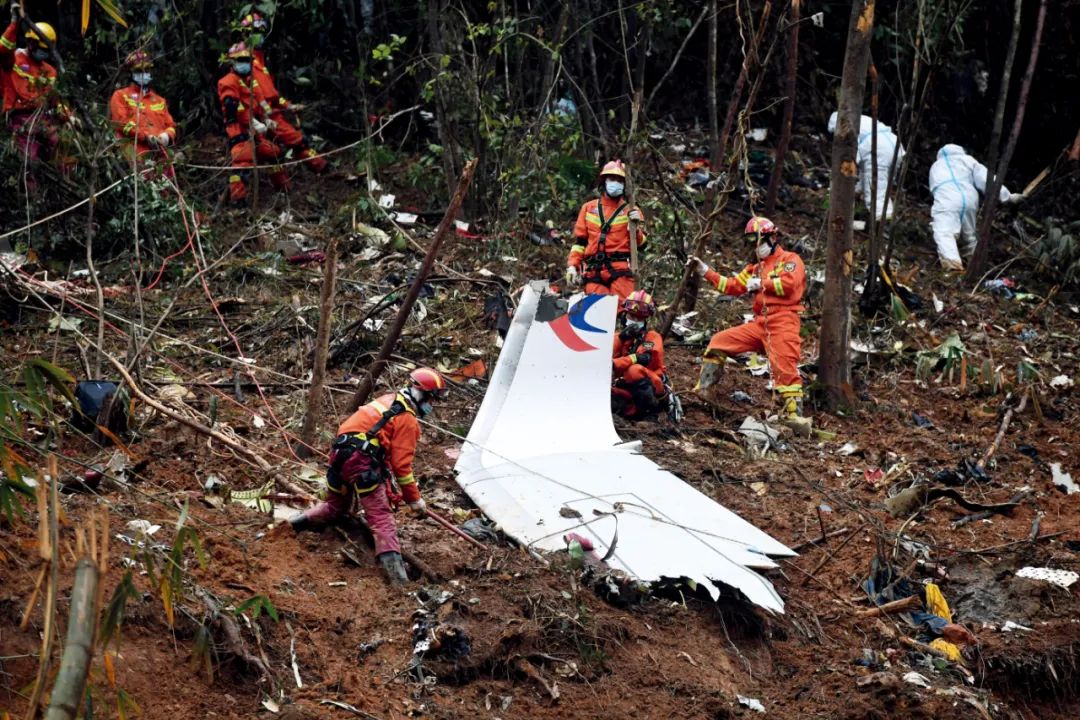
[[1063, 480], [1061, 578], [752, 703]]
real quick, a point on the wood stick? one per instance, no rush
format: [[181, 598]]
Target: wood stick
[[51, 520], [631, 196], [831, 556], [810, 543], [908, 603], [1001, 431], [376, 368], [322, 346]]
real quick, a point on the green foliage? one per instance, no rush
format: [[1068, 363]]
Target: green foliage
[[1059, 251], [946, 357], [114, 611], [255, 606]]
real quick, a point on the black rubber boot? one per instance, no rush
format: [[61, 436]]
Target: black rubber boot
[[394, 567], [300, 522]]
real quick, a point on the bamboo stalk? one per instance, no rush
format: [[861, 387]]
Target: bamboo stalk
[[322, 346], [67, 693]]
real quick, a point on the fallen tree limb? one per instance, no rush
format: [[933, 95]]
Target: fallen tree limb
[[247, 453], [1001, 431], [815, 541], [908, 603], [832, 556], [233, 641]]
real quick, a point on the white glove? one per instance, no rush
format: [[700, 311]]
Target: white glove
[[164, 139], [699, 265], [297, 107], [573, 275], [271, 124], [257, 126], [1015, 198], [753, 284], [419, 507], [635, 215], [153, 140]]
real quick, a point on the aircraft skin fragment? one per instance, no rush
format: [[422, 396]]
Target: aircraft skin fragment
[[542, 459]]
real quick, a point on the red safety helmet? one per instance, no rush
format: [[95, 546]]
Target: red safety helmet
[[429, 381], [639, 305], [760, 226], [239, 50], [137, 60], [614, 167]]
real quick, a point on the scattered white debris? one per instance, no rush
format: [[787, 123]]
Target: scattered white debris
[[758, 433], [374, 186], [1010, 626], [387, 201], [337, 583], [859, 225], [752, 703], [63, 323], [938, 305], [145, 527], [818, 19], [258, 422], [1063, 479], [271, 705], [916, 679], [848, 449], [373, 324], [405, 218], [1061, 578], [758, 134], [1062, 381]]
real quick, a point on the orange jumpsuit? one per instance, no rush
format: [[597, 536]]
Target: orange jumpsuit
[[240, 102], [285, 132], [775, 327], [602, 248], [637, 367], [398, 439], [29, 85], [137, 114]]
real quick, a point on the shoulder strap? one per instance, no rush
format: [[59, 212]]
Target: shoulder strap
[[396, 408]]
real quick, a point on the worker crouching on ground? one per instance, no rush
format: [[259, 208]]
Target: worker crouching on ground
[[34, 111], [254, 29], [141, 117], [639, 386], [600, 256], [777, 281], [956, 180], [247, 125], [375, 443]]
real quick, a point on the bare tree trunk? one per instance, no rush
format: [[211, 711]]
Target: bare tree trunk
[[977, 265], [322, 344], [834, 367], [693, 281], [710, 9], [435, 15], [394, 332], [777, 176]]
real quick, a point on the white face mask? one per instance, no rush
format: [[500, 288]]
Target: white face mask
[[142, 79], [764, 250], [613, 188]]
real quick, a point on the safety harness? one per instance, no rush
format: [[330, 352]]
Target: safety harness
[[602, 260], [366, 443]]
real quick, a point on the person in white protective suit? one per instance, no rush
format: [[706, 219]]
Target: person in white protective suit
[[886, 146], [956, 180]]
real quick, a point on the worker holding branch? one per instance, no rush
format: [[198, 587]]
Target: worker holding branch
[[372, 453], [777, 281]]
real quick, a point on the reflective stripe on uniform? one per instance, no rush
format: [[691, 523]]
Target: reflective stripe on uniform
[[7, 43], [778, 287], [789, 390], [721, 284], [407, 480]]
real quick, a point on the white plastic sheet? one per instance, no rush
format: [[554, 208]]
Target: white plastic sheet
[[542, 459]]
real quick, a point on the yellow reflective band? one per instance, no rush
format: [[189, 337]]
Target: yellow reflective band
[[778, 287], [743, 277], [794, 391], [577, 249], [407, 480], [129, 126], [234, 178], [158, 106], [240, 107], [721, 284], [338, 491], [7, 43]]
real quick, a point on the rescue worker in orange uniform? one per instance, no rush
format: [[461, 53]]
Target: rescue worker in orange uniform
[[639, 387], [777, 280], [247, 125], [254, 29], [376, 442], [600, 256], [28, 81], [140, 117]]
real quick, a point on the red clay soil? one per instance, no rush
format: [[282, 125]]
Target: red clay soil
[[542, 644]]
